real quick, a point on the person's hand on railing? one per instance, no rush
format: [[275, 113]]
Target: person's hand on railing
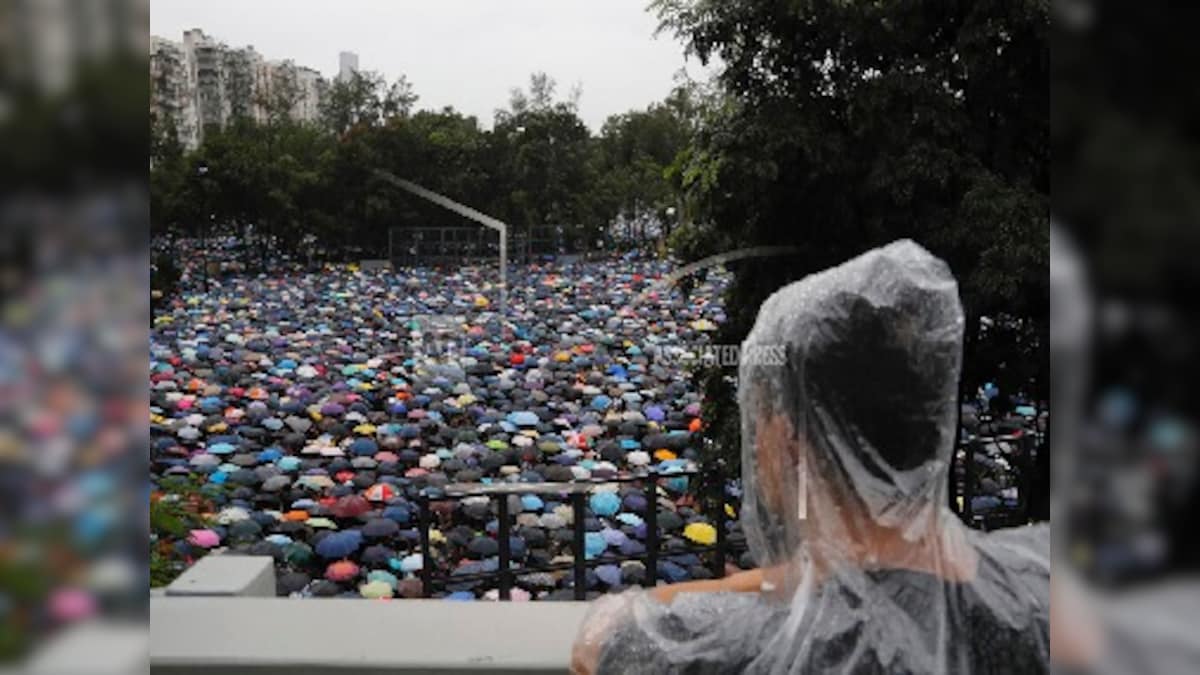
[[749, 581]]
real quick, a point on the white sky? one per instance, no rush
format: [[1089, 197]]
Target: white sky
[[464, 53]]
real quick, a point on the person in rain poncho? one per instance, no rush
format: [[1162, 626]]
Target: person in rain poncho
[[845, 458]]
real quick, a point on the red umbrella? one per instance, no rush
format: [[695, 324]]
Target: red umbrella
[[343, 570], [350, 506], [380, 492]]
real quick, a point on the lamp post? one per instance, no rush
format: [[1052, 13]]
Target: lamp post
[[201, 172]]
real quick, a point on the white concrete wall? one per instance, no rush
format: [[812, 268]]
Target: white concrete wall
[[280, 635]]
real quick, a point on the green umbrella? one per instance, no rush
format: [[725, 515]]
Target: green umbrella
[[297, 553], [384, 576]]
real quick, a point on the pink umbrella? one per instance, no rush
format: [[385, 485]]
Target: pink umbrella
[[415, 472], [204, 538], [343, 570], [386, 456], [71, 604]]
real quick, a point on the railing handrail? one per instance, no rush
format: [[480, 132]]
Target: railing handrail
[[576, 489]]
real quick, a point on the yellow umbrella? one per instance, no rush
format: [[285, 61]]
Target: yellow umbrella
[[701, 533], [376, 590]]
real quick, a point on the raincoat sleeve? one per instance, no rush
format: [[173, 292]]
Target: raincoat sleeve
[[632, 632]]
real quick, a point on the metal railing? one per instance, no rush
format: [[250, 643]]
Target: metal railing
[[577, 491], [1023, 445]]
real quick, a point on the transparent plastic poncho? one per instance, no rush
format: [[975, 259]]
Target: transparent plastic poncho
[[846, 451]]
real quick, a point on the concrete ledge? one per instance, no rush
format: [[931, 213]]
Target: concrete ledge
[[280, 635], [93, 647], [227, 575]]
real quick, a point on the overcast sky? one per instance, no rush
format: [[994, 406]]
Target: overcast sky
[[464, 53]]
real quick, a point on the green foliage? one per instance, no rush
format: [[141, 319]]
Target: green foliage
[[840, 126], [538, 165]]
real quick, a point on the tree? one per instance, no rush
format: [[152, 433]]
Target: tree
[[842, 126]]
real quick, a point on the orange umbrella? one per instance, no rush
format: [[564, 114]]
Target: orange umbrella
[[343, 570], [663, 454], [296, 516], [695, 425]]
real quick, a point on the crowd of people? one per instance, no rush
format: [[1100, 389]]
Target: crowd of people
[[300, 414]]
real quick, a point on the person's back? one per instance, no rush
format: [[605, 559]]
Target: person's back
[[846, 451]]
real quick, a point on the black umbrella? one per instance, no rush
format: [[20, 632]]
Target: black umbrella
[[380, 528]]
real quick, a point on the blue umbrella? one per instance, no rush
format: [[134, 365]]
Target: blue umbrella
[[605, 504], [613, 537], [609, 574], [593, 545], [523, 419], [531, 503], [269, 455], [338, 545], [631, 519], [221, 449], [288, 464], [398, 513], [411, 563], [461, 596]]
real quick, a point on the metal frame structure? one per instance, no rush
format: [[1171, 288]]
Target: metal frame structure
[[577, 492], [467, 212]]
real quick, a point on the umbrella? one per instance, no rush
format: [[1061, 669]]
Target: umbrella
[[609, 574], [631, 519], [350, 506], [483, 547], [605, 503], [380, 528], [593, 545], [276, 483], [291, 582], [380, 492], [232, 515], [341, 571], [523, 419], [411, 563], [386, 577], [297, 554], [398, 512], [338, 545], [204, 538], [700, 533], [375, 590]]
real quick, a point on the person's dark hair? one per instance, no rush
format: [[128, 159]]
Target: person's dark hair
[[879, 374]]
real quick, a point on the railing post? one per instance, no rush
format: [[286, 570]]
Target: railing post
[[1025, 482], [651, 530], [968, 514], [719, 558], [580, 566], [426, 558], [505, 553]]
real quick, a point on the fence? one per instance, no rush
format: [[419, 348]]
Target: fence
[[1020, 449], [962, 484], [577, 492]]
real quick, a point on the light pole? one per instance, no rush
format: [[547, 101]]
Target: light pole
[[201, 172]]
